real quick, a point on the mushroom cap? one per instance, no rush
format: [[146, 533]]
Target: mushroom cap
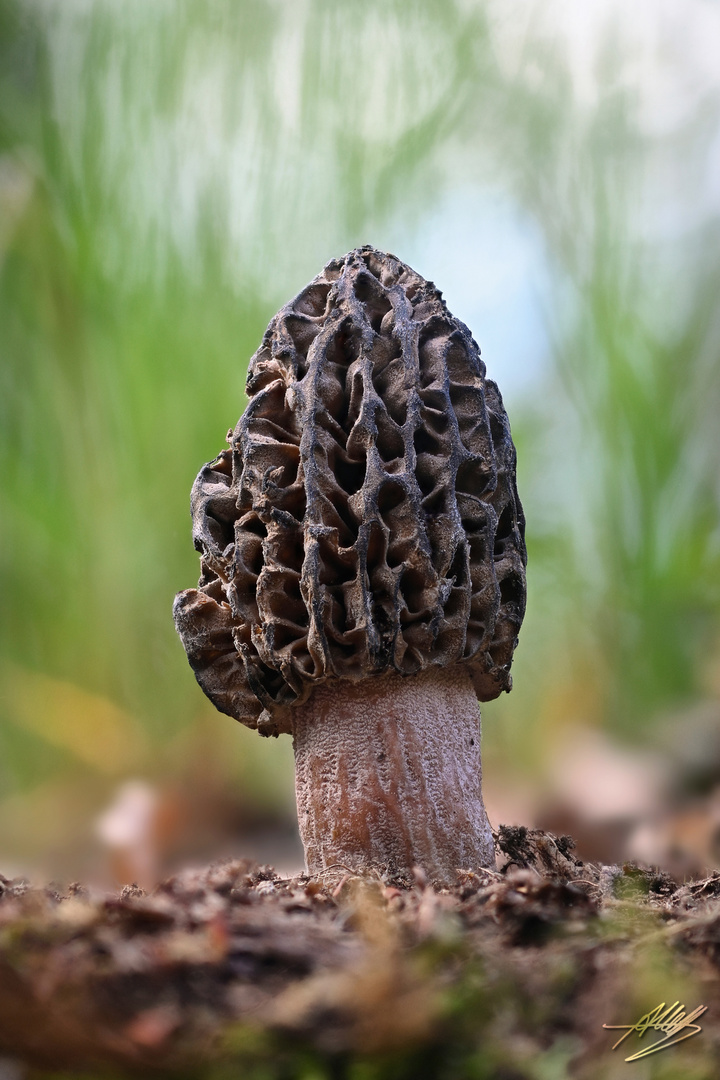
[[365, 518]]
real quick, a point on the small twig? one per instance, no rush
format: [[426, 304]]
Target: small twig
[[336, 866]]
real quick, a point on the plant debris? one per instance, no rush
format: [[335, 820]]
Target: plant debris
[[235, 968]]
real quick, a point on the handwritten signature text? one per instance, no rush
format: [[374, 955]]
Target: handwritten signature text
[[674, 1023]]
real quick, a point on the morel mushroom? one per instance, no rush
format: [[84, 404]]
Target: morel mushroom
[[363, 566]]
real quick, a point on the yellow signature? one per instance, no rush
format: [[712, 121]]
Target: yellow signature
[[671, 1021]]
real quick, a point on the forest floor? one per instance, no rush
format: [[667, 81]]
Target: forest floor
[[232, 971]]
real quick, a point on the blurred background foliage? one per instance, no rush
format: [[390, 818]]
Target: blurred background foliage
[[170, 174]]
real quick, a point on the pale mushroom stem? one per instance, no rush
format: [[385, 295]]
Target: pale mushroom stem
[[388, 774]]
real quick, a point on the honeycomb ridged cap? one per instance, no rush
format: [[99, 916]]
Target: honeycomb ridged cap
[[366, 517]]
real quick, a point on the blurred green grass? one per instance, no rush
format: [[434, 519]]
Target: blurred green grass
[[169, 175]]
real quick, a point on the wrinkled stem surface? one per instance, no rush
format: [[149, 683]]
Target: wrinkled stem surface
[[388, 775]]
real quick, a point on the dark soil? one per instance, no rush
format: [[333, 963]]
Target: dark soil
[[233, 971]]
